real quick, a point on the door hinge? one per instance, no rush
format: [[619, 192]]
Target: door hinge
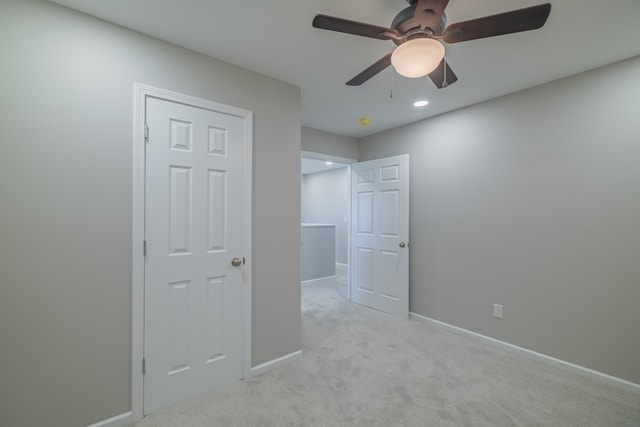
[[144, 366], [144, 248], [146, 133]]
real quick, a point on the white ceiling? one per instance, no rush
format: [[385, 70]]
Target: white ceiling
[[276, 38]]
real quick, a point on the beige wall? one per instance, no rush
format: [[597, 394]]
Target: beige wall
[[66, 100], [532, 201]]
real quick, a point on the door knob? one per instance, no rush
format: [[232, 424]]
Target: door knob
[[236, 262], [402, 244]]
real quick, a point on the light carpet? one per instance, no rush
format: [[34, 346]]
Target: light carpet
[[365, 368]]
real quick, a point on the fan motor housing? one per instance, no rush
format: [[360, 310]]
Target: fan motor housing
[[406, 24]]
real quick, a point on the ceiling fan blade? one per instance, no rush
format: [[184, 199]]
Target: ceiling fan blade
[[442, 79], [429, 12], [333, 23], [530, 18], [374, 69]]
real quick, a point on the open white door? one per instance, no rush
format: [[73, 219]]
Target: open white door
[[194, 217], [379, 246]]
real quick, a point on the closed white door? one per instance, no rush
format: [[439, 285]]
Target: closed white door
[[193, 312], [379, 254]]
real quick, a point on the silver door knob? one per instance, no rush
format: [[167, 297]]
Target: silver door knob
[[236, 262], [402, 244]]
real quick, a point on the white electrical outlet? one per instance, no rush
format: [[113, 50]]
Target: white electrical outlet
[[497, 311]]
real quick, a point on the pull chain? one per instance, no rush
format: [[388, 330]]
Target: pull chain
[[391, 91], [444, 82]]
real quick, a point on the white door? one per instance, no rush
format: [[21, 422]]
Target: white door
[[379, 254], [193, 295]]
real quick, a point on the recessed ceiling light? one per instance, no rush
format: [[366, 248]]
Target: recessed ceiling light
[[421, 103], [328, 163]]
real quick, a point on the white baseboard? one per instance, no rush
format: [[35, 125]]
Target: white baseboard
[[123, 420], [580, 370], [328, 279], [275, 363]]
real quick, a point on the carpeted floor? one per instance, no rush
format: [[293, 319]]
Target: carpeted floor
[[365, 368]]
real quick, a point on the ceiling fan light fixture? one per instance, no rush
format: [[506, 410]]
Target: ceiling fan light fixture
[[417, 57]]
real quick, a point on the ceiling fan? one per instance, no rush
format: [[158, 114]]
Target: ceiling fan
[[418, 32]]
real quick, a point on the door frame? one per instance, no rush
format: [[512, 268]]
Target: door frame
[[141, 92]]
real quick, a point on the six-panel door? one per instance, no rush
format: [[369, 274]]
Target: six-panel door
[[193, 229], [379, 259]]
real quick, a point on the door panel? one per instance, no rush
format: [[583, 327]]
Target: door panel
[[364, 264], [389, 206], [180, 211], [193, 339], [217, 209], [365, 213], [379, 274]]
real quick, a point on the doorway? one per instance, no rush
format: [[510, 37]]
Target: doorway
[[325, 217], [374, 198]]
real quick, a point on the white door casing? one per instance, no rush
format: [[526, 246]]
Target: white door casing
[[379, 241], [196, 323]]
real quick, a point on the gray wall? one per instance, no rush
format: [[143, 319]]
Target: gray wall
[[326, 201], [532, 201], [318, 141], [318, 251], [65, 216]]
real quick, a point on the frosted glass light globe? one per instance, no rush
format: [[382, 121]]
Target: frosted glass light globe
[[417, 57]]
